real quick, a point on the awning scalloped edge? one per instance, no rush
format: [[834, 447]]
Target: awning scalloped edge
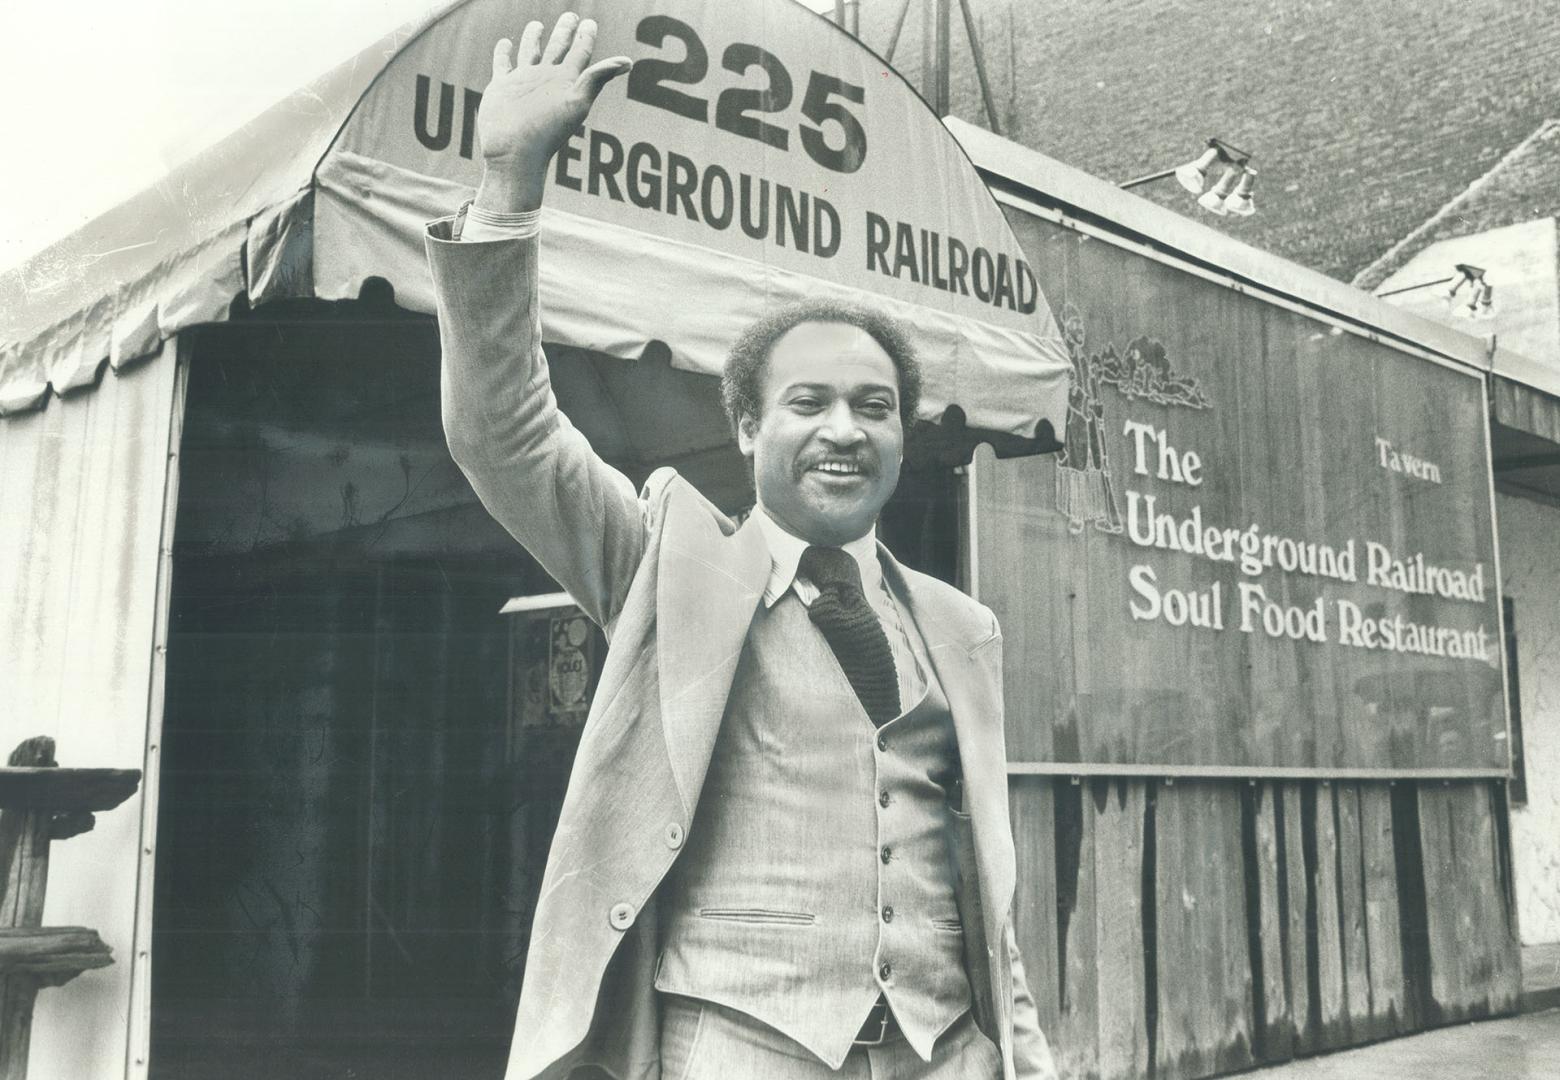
[[261, 258]]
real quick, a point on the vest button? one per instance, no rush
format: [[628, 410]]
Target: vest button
[[885, 971], [888, 912], [621, 916], [674, 835], [888, 853], [882, 742], [883, 797]]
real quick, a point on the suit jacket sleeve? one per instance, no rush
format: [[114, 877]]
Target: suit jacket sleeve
[[1031, 1052], [534, 472]]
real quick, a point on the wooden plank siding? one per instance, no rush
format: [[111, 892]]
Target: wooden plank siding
[[1383, 940], [1032, 814], [1185, 929], [1205, 992], [1322, 927], [1474, 965], [1118, 809], [1351, 911], [1267, 929]]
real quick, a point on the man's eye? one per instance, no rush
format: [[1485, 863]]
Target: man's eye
[[878, 409], [805, 404]]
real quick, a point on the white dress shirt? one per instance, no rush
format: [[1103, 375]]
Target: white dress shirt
[[785, 552]]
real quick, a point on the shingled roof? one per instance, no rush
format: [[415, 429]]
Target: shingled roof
[[1364, 119]]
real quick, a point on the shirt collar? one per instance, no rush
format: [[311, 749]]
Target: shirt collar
[[785, 551]]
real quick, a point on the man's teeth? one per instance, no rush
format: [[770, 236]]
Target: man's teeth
[[836, 467]]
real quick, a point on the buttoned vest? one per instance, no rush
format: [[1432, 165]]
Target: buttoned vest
[[816, 873]]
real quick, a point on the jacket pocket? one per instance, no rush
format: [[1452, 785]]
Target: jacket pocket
[[758, 915], [948, 926]]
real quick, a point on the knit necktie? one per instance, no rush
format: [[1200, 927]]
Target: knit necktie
[[852, 629]]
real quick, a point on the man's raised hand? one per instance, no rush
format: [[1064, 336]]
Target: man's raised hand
[[537, 97]]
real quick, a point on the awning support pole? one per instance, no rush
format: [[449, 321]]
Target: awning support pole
[[899, 25], [980, 66]]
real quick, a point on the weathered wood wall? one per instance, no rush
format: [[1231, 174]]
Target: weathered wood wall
[[1132, 640], [1188, 929], [1185, 929]]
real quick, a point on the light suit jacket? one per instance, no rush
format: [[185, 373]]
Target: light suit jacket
[[675, 584]]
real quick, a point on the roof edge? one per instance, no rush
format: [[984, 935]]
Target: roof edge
[[178, 251], [1386, 264], [1052, 182]]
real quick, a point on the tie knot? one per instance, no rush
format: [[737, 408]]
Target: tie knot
[[829, 567]]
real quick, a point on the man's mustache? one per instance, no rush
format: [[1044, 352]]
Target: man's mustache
[[865, 464]]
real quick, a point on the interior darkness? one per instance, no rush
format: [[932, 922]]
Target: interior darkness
[[357, 788]]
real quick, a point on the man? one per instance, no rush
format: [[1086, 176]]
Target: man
[[761, 870]]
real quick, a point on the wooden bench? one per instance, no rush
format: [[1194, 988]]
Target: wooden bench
[[40, 803]]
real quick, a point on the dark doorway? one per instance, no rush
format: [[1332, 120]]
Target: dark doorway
[[334, 894]]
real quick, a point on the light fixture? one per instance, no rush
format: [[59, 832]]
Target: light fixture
[[1212, 200], [1239, 203], [1485, 307], [1225, 197], [1481, 302], [1194, 174], [1481, 294]]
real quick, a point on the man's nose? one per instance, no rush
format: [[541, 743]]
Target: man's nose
[[840, 426]]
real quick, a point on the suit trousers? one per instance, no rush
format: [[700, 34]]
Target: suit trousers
[[704, 1041]]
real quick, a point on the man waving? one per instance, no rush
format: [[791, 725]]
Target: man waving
[[784, 853]]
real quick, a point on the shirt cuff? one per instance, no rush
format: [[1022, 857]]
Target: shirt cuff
[[473, 224]]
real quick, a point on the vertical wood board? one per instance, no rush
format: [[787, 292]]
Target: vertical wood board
[[1474, 966], [1118, 808], [1204, 985], [1274, 1033], [1078, 1022], [1330, 1027], [1351, 911], [1383, 939], [1032, 814]]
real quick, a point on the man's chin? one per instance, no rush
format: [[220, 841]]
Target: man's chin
[[838, 522]]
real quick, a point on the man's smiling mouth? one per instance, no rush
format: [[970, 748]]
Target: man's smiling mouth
[[838, 468]]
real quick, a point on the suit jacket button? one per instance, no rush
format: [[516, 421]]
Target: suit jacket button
[[674, 835], [621, 916]]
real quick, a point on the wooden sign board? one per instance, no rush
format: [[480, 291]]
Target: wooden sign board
[[1268, 542]]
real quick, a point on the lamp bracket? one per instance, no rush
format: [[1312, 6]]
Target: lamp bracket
[[1232, 155]]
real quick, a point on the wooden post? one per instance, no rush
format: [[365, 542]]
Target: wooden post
[[40, 803], [24, 859]]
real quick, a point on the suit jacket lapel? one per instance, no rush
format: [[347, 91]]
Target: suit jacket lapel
[[708, 586], [972, 685]]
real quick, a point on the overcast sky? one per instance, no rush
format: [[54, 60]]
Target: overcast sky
[[102, 97]]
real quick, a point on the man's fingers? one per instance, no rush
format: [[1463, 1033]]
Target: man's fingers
[[602, 72], [562, 35], [501, 62], [584, 42], [530, 50]]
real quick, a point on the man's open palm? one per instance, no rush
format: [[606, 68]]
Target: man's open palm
[[539, 95]]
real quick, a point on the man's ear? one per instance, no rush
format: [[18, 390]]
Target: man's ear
[[747, 432]]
